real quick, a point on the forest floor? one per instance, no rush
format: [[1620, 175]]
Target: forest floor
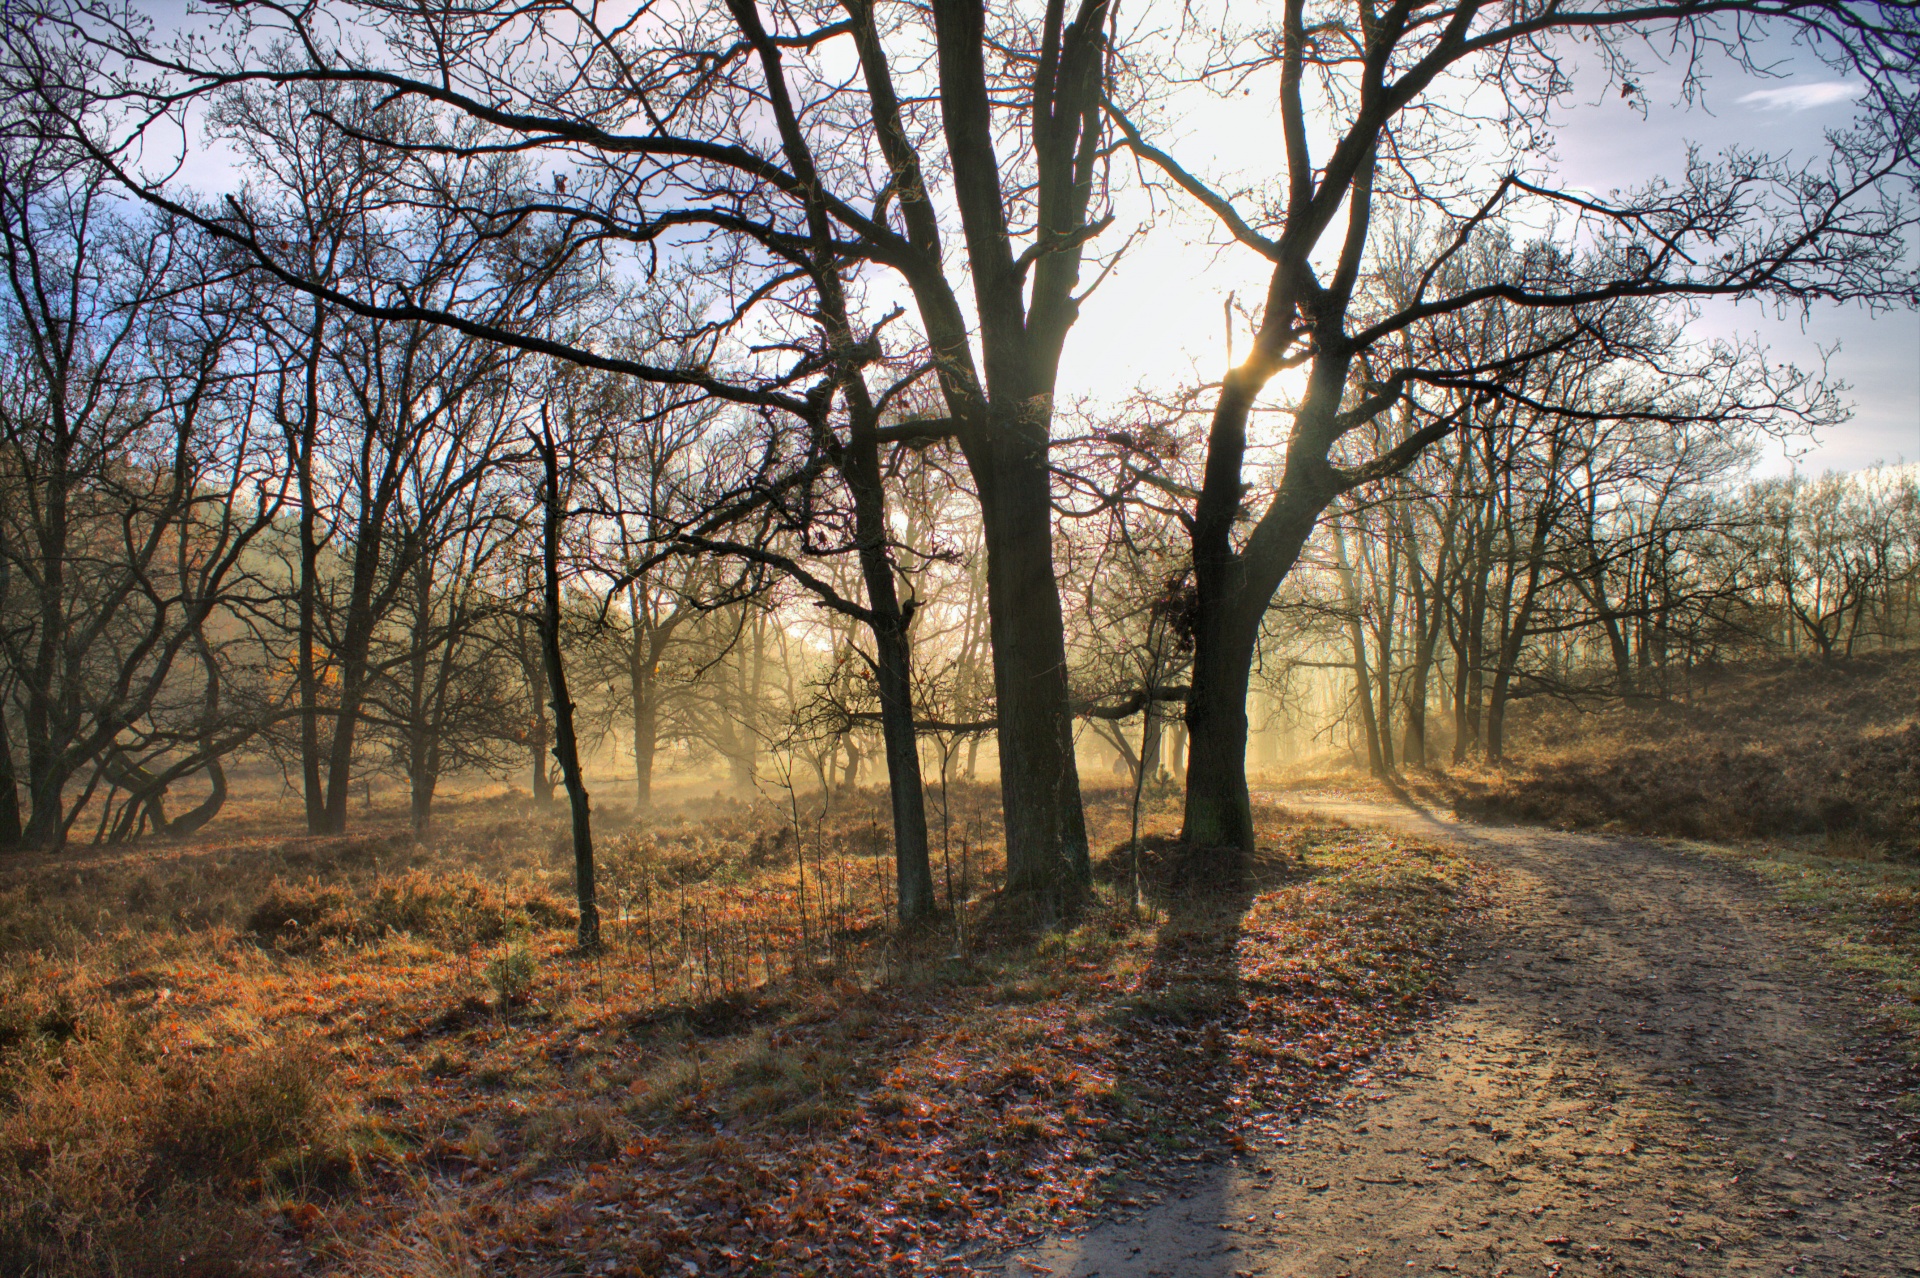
[[260, 1054], [1654, 1065]]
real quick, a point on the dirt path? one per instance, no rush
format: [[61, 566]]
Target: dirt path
[[1643, 1076]]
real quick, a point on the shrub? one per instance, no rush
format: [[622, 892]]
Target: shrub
[[511, 975], [117, 1158], [294, 914], [460, 910]]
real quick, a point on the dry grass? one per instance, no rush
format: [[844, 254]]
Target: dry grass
[[1828, 753], [268, 1054]]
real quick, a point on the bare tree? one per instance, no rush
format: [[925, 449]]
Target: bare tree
[[133, 488], [1387, 86], [973, 175]]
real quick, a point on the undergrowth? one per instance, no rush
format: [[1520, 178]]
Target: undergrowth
[[286, 1054], [1825, 751]]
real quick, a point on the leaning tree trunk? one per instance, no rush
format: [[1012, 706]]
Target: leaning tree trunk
[[355, 646], [893, 658], [565, 746]]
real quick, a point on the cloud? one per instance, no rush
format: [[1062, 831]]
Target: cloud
[[1801, 97]]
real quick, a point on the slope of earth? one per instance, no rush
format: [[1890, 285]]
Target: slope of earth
[[1644, 1074], [1829, 750]]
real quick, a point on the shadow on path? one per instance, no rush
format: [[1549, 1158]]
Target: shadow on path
[[1643, 1074]]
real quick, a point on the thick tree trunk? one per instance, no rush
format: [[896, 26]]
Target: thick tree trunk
[[1231, 593], [1039, 779], [48, 717], [355, 646], [208, 808], [420, 787], [1219, 809], [46, 827]]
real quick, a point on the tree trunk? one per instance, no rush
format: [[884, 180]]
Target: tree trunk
[[646, 741], [48, 697], [1153, 731], [190, 821], [1219, 809], [850, 773], [642, 663], [534, 666], [565, 747], [1357, 639], [745, 720], [893, 659], [1039, 778], [913, 868], [420, 778], [308, 604], [10, 831], [1516, 635], [420, 787], [1231, 593], [355, 645]]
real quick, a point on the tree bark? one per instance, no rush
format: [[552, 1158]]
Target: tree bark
[[1232, 591], [565, 747], [1039, 779], [10, 831], [1357, 639], [308, 603], [534, 666], [642, 669]]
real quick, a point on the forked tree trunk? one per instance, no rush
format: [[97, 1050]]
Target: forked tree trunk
[[355, 646], [1231, 593], [646, 743]]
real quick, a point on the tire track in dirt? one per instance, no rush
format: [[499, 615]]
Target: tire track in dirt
[[1646, 1073]]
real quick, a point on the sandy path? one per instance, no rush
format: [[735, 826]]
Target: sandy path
[[1643, 1075]]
